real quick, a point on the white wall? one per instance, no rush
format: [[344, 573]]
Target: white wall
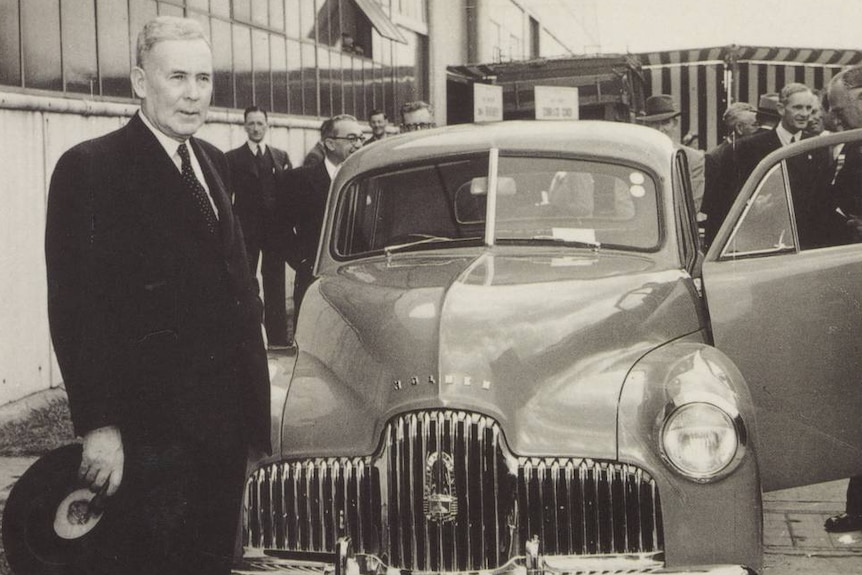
[[34, 132]]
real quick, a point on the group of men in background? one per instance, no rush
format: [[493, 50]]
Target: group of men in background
[[281, 209], [825, 212]]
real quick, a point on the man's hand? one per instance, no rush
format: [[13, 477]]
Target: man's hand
[[102, 460]]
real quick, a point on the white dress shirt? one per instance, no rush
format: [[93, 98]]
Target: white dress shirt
[[171, 146]]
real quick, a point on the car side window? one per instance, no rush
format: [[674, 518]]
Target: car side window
[[765, 227]]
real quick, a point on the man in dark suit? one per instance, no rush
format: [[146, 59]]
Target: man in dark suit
[[794, 107], [719, 180], [302, 194], [255, 167], [795, 104], [155, 321], [845, 102]]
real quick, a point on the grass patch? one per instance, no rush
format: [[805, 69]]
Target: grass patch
[[43, 429]]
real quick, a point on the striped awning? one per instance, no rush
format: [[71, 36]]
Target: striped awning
[[760, 54]]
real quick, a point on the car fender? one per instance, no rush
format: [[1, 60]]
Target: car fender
[[684, 371]]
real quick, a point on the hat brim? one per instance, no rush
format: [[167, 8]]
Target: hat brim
[[657, 117], [31, 539]]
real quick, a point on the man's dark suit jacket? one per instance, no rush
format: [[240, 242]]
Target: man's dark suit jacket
[[750, 150], [302, 197], [302, 194], [811, 197], [155, 322], [259, 224], [720, 188]]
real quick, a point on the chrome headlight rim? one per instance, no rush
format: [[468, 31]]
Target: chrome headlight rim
[[726, 409]]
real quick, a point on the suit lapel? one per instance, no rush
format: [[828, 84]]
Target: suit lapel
[[157, 183]]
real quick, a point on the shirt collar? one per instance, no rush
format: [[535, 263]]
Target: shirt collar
[[331, 168], [169, 144], [784, 135], [253, 147]]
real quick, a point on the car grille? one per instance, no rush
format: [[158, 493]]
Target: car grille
[[444, 493]]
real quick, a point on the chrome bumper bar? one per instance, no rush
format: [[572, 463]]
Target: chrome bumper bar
[[345, 562]]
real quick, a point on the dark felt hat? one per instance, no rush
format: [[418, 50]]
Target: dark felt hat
[[50, 519], [658, 108], [768, 105]]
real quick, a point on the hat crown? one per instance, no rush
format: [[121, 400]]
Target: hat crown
[[768, 102], [661, 104]]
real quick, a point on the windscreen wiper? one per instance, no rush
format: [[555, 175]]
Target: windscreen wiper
[[422, 240]]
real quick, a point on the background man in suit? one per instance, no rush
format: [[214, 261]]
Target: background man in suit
[[660, 113], [255, 167], [417, 115], [720, 184], [794, 109], [155, 321], [378, 122], [302, 194], [845, 102]]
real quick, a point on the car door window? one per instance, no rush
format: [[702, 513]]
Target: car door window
[[765, 226]]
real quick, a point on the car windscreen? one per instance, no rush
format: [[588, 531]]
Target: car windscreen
[[538, 201]]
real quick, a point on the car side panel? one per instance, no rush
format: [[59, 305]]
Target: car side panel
[[792, 323]]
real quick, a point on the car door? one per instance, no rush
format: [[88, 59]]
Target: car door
[[788, 311]]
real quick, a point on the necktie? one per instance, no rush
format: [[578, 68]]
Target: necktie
[[199, 194]]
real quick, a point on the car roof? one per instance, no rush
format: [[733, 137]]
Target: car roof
[[629, 143]]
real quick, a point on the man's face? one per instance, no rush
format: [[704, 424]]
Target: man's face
[[378, 123], [669, 127], [347, 139], [175, 86], [846, 105], [747, 124], [796, 111], [420, 119], [256, 126], [815, 120]]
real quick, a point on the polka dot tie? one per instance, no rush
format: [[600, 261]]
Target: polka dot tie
[[199, 194]]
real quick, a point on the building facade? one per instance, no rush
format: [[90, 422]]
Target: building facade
[[64, 78]]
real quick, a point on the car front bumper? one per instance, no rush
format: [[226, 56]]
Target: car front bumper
[[255, 562]]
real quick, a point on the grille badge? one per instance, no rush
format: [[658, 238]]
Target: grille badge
[[440, 501]]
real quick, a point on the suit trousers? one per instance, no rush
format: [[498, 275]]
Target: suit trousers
[[304, 278], [272, 269], [854, 496]]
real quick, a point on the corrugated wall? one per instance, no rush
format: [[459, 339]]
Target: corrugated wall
[[34, 132]]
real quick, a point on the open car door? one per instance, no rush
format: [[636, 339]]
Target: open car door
[[783, 285]]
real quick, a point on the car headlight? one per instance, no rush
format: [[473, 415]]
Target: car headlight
[[700, 440]]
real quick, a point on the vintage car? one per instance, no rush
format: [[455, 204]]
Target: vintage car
[[517, 358]]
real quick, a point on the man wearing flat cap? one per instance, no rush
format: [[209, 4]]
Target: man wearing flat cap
[[661, 114]]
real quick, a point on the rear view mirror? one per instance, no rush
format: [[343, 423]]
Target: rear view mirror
[[505, 186]]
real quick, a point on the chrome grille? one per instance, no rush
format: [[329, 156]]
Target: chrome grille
[[444, 493]]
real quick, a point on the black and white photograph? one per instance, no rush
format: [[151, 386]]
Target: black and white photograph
[[415, 287]]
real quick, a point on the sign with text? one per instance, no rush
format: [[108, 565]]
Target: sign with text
[[556, 103], [487, 103]]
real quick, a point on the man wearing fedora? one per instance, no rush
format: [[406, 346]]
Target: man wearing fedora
[[767, 111], [661, 114]]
